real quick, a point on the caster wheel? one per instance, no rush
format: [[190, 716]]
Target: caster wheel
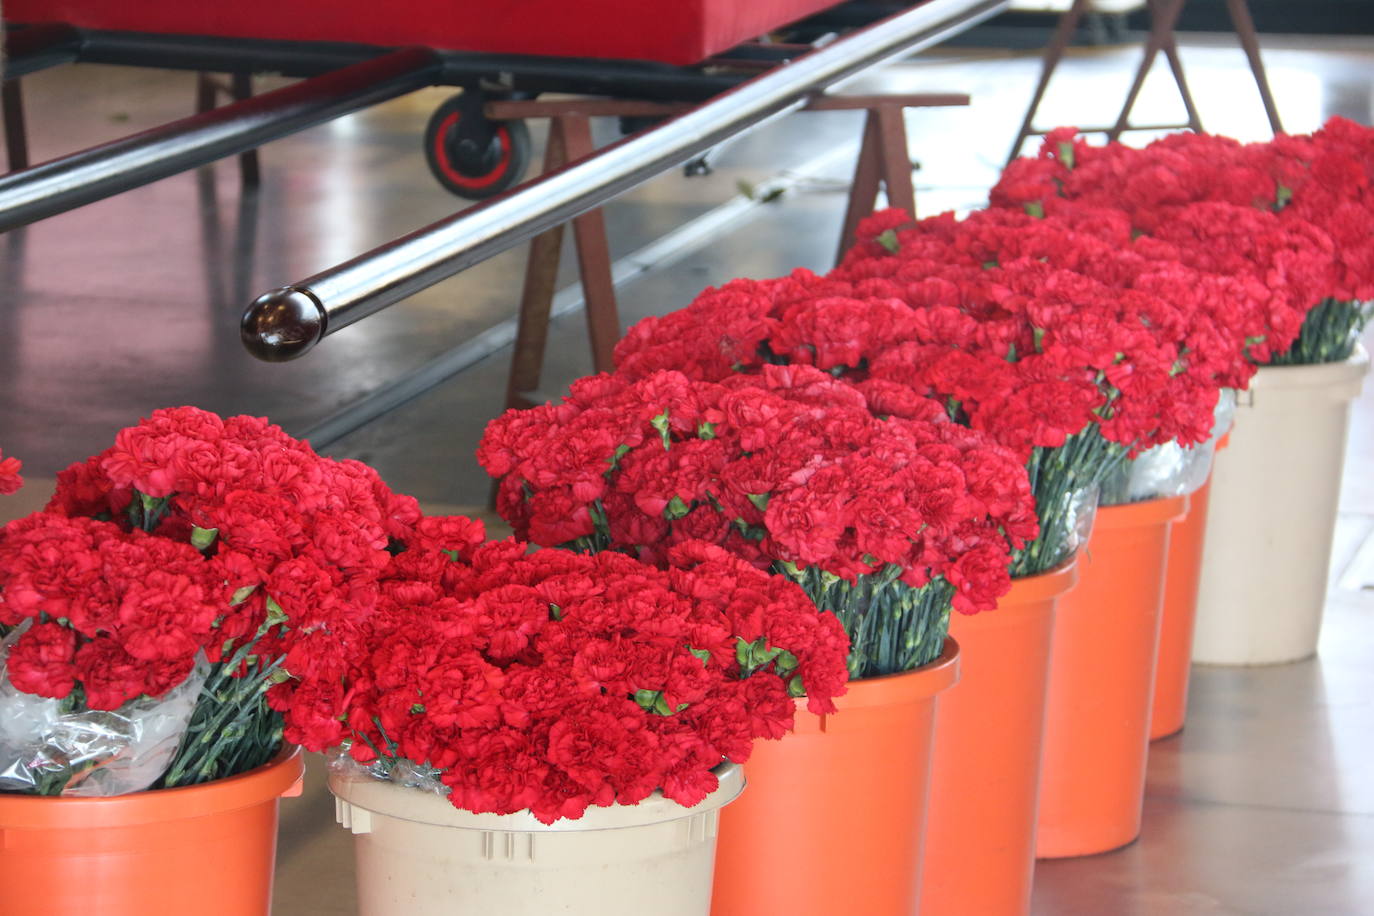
[[472, 157]]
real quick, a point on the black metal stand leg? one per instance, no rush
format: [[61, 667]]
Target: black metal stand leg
[[239, 89], [16, 131], [205, 92], [250, 169]]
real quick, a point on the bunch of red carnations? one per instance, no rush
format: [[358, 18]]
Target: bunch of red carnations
[[886, 522], [1040, 337], [10, 481], [553, 681], [191, 559], [1293, 213]]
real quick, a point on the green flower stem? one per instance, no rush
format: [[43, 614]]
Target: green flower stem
[[892, 627], [232, 728], [1329, 333], [1085, 460]]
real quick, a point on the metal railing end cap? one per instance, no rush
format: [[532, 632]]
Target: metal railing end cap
[[283, 324]]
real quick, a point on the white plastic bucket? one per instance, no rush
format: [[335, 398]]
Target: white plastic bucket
[[1275, 492], [417, 855]]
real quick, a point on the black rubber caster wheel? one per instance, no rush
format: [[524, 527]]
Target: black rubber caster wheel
[[471, 156]]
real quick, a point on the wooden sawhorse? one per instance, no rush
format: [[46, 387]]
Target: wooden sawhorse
[[1164, 16], [883, 162]]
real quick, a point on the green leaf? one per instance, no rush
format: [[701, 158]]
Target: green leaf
[[145, 512], [795, 687], [706, 430], [675, 509], [757, 654], [660, 423], [555, 612], [1282, 195], [598, 514], [451, 554], [620, 452], [888, 240], [242, 595], [655, 702], [1034, 208], [748, 532], [1066, 155], [1011, 352], [275, 614], [760, 500], [703, 654], [785, 663], [1039, 339], [416, 708], [202, 538]]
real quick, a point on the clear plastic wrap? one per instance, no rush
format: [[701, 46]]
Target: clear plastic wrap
[[388, 769], [89, 753], [1065, 526], [1081, 515], [1170, 469]]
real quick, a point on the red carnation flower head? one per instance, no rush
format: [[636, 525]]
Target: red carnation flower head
[[10, 481]]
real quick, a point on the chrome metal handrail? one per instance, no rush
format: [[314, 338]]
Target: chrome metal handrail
[[286, 323], [93, 174]]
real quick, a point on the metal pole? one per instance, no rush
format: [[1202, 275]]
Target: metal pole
[[509, 72], [287, 322], [96, 173], [38, 47], [207, 53]]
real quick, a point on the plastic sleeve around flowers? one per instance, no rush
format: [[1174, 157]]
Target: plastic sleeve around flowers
[[398, 770], [48, 749], [1170, 469], [1078, 519]]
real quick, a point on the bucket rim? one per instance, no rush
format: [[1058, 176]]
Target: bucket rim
[[270, 781], [419, 806], [1142, 514]]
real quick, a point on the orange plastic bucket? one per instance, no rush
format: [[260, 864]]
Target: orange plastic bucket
[[980, 829], [833, 817], [1097, 721], [1170, 705], [206, 849]]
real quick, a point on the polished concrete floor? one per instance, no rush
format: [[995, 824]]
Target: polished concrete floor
[[1264, 805]]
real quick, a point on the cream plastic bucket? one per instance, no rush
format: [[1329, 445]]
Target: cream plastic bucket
[[417, 855], [1275, 492]]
